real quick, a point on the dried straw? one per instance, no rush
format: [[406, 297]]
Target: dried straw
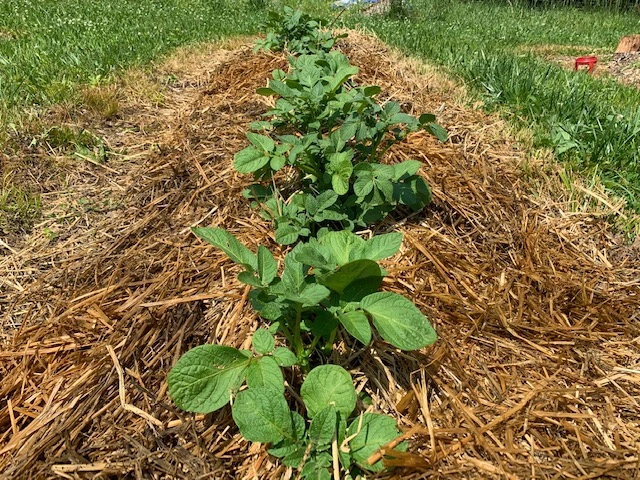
[[536, 373]]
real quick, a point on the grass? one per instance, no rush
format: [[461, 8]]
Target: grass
[[19, 208], [48, 47], [592, 123]]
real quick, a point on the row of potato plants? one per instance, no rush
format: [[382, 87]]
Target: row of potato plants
[[330, 134]]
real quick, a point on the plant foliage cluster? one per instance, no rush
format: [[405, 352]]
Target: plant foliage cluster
[[332, 133]]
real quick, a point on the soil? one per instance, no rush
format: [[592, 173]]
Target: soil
[[535, 299]]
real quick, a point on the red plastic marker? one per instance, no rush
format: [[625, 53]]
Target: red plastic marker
[[590, 62]]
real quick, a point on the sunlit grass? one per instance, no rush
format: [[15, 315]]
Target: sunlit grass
[[593, 123], [50, 46]]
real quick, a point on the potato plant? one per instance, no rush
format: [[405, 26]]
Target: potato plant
[[333, 134], [296, 32], [328, 287]]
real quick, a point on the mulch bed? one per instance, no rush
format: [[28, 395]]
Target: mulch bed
[[535, 299]]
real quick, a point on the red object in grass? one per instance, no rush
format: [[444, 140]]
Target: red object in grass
[[589, 62]]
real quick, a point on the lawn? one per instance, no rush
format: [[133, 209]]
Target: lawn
[[47, 47], [592, 123]]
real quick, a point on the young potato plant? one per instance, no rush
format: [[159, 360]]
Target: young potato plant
[[294, 31], [208, 377], [328, 285], [334, 135]]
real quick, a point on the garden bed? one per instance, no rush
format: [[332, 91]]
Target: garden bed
[[535, 300]]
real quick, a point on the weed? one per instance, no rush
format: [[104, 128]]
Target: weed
[[80, 143], [102, 101], [19, 208]]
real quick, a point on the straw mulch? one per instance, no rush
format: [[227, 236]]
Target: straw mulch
[[537, 304]]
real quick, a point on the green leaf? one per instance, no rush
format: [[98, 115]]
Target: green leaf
[[284, 357], [290, 446], [267, 92], [265, 372], [382, 246], [262, 415], [313, 294], [328, 385], [323, 427], [296, 457], [372, 90], [340, 168], [437, 131], [349, 273], [344, 246], [228, 244], [326, 199], [269, 308], [249, 278], [287, 234], [402, 118], [204, 378], [324, 324], [267, 265], [299, 425], [413, 192], [294, 272], [357, 324], [427, 118], [314, 255], [385, 187], [249, 159], [358, 290], [408, 167], [277, 162], [364, 181], [317, 467], [399, 321], [371, 431], [263, 342], [261, 142], [330, 215], [260, 125]]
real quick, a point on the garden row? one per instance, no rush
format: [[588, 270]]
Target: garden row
[[328, 134]]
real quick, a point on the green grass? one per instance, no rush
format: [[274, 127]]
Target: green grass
[[19, 208], [47, 47], [592, 123]]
